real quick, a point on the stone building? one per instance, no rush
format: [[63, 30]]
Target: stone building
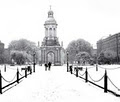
[[51, 50], [110, 43]]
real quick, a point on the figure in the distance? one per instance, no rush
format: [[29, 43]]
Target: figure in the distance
[[49, 65]]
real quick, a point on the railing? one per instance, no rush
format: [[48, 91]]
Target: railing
[[16, 79], [87, 77]]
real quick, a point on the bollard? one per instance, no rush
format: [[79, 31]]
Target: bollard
[[34, 67], [71, 69], [30, 70], [76, 72], [17, 75], [25, 73], [67, 67], [96, 67], [105, 82], [4, 68], [0, 83], [86, 76]]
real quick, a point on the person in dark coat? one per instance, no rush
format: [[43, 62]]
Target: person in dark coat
[[46, 67], [49, 65]]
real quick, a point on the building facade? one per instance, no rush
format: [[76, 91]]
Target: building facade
[[51, 50], [110, 43]]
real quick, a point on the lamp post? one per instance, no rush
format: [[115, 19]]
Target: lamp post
[[34, 62], [96, 58], [67, 62]]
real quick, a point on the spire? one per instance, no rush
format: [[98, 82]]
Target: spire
[[50, 13], [50, 7]]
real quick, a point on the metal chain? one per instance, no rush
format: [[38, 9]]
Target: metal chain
[[96, 80], [20, 74], [89, 67], [10, 80], [109, 68], [113, 84], [82, 74], [11, 68]]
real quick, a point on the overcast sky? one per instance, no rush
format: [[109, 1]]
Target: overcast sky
[[86, 19]]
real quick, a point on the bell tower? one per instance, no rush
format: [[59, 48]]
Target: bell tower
[[51, 50], [50, 26]]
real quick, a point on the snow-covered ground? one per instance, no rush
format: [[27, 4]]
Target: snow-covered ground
[[113, 73], [56, 85]]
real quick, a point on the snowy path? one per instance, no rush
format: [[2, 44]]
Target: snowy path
[[55, 86]]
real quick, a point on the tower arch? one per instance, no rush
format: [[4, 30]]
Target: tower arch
[[50, 57]]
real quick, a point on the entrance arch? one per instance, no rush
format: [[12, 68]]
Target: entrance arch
[[51, 57]]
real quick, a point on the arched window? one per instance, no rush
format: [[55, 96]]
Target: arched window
[[50, 29]]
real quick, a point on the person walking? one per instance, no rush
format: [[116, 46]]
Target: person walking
[[46, 67], [49, 65]]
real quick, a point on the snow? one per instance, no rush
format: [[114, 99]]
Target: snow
[[56, 85], [113, 73]]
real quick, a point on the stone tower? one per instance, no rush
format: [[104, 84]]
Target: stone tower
[[51, 50]]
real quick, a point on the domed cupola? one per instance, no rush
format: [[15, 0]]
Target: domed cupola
[[50, 20], [50, 26]]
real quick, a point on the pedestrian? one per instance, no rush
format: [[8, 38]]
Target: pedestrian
[[49, 65], [46, 67]]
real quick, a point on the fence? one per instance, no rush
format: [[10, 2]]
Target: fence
[[86, 76], [16, 79]]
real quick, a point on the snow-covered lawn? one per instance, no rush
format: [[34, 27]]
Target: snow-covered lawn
[[56, 85], [10, 74], [113, 73]]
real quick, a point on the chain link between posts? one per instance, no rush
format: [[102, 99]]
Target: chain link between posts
[[96, 80], [109, 68], [113, 84], [20, 74], [9, 81], [102, 76], [81, 74]]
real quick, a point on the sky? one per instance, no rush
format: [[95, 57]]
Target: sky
[[90, 20]]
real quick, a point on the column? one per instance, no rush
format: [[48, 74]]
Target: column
[[48, 33], [45, 32], [58, 55], [44, 55], [54, 32]]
